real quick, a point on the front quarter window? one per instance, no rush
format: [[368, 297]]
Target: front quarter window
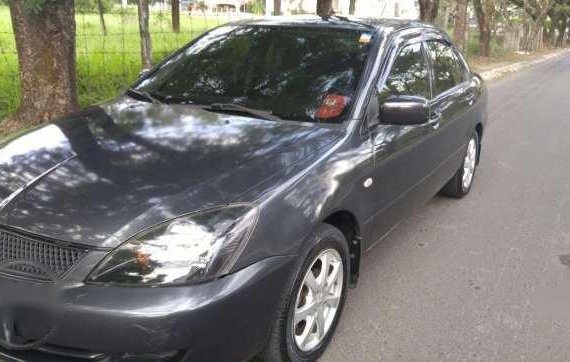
[[290, 71], [409, 74]]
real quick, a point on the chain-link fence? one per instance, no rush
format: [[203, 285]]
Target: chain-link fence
[[108, 57]]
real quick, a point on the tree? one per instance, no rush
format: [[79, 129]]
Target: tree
[[559, 16], [175, 4], [324, 7], [428, 10], [484, 9], [101, 11], [100, 7], [351, 7], [146, 43], [460, 23], [276, 7], [538, 11], [45, 43]]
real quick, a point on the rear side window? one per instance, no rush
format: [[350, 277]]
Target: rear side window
[[448, 69], [409, 74]]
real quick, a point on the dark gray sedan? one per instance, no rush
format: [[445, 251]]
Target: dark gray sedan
[[219, 209]]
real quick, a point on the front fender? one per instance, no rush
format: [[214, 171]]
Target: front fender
[[289, 214]]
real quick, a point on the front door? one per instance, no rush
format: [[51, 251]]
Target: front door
[[404, 155]]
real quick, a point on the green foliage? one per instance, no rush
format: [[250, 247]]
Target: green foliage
[[472, 47], [161, 17], [562, 8], [90, 6], [257, 7]]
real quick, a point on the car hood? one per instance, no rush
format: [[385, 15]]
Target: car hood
[[100, 176]]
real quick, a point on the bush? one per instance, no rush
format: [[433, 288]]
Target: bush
[[473, 46], [257, 7]]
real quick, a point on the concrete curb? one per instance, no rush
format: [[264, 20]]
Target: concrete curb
[[518, 66]]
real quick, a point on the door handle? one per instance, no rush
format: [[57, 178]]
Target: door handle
[[435, 120]]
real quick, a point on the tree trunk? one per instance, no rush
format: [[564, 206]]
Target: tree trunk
[[533, 40], [564, 32], [101, 11], [561, 26], [352, 7], [428, 10], [538, 10], [324, 7], [446, 17], [45, 44], [175, 16], [146, 44], [460, 21], [276, 7], [484, 12], [551, 34]]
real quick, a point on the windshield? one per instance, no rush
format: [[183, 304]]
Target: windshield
[[296, 73]]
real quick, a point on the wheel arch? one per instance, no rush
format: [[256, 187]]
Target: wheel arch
[[347, 223], [479, 130]]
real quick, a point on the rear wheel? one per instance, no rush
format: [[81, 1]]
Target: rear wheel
[[460, 184], [310, 310]]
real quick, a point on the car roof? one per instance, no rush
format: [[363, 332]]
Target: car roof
[[385, 26]]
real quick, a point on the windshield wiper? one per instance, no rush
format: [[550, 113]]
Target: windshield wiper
[[143, 94], [233, 107]]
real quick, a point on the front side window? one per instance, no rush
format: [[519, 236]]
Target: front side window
[[448, 69], [409, 74], [288, 71]]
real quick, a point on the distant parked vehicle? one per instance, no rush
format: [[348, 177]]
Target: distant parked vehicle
[[219, 209]]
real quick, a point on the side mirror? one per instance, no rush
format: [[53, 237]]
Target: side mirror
[[404, 111]]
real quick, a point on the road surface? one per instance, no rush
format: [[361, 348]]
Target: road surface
[[487, 277]]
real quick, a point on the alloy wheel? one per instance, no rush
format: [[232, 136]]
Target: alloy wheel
[[318, 300], [469, 164]]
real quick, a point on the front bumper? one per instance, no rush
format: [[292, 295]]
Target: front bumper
[[226, 319]]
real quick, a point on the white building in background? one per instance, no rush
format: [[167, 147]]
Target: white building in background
[[404, 9]]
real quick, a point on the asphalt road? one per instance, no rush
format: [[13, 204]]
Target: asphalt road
[[486, 277]]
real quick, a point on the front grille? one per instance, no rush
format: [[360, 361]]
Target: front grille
[[32, 252]]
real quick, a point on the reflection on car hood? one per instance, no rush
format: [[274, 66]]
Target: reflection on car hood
[[111, 171]]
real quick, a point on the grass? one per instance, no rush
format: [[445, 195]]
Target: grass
[[106, 65]]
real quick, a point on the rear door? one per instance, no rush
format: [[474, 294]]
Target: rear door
[[451, 104]]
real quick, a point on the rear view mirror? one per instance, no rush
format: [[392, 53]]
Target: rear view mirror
[[404, 111]]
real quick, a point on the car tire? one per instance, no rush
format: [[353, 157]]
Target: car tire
[[460, 184], [286, 336]]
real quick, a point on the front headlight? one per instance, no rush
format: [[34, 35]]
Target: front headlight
[[191, 248]]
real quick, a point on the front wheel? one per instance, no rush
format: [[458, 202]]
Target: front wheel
[[310, 311], [460, 184]]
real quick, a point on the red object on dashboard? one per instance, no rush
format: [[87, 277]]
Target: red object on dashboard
[[332, 106]]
